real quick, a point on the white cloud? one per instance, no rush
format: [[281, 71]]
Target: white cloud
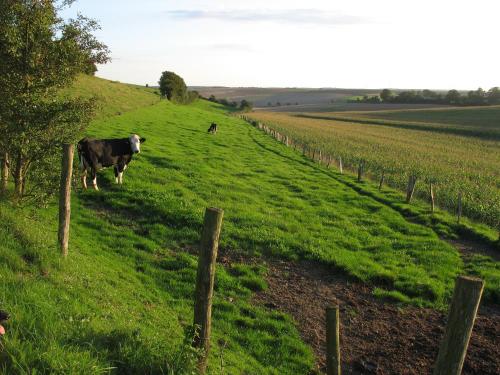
[[309, 16]]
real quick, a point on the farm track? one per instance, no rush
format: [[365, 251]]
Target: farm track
[[377, 337]]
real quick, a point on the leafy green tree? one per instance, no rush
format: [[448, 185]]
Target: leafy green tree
[[494, 95], [476, 97], [173, 87], [453, 97], [386, 95], [40, 53], [245, 105]]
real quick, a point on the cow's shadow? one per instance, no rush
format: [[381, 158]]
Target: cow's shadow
[[140, 211]]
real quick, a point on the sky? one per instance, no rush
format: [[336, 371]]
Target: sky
[[434, 44]]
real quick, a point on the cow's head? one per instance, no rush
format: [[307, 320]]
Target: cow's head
[[135, 143]]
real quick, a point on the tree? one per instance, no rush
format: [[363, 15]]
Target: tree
[[386, 95], [245, 105], [476, 97], [494, 95], [453, 97], [40, 53], [173, 87]]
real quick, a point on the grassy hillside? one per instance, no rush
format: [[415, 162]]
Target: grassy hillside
[[454, 157], [114, 98], [122, 300]]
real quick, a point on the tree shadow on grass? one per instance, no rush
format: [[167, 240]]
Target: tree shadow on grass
[[123, 350]]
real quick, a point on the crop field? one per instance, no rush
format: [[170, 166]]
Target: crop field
[[122, 300], [475, 117], [343, 106], [287, 97], [456, 156]]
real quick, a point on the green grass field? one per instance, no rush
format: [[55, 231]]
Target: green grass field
[[122, 301]]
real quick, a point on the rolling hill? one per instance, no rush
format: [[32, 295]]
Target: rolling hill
[[122, 301]]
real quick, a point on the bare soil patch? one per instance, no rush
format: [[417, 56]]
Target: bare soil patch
[[377, 337]]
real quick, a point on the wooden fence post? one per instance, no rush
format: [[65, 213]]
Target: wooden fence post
[[431, 194], [332, 341], [410, 188], [65, 198], [459, 208], [382, 178], [461, 317], [341, 169], [360, 170], [5, 173], [205, 283]]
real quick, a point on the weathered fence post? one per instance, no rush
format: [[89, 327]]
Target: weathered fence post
[[360, 170], [341, 169], [205, 283], [382, 178], [5, 173], [459, 208], [65, 198], [461, 317], [332, 341], [410, 188], [431, 194]]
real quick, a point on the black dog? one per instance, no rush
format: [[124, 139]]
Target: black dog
[[213, 128]]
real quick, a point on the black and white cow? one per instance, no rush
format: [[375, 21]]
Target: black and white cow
[[95, 154], [213, 128]]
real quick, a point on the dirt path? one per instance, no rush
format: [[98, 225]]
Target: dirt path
[[468, 248], [376, 337]]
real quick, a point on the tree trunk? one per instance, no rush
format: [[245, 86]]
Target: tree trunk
[[410, 189], [19, 176], [5, 173]]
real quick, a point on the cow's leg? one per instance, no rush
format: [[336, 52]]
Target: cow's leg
[[94, 179], [84, 179], [117, 174], [121, 168]]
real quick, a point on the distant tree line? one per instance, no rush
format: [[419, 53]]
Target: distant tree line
[[173, 87], [244, 105], [453, 97], [278, 104]]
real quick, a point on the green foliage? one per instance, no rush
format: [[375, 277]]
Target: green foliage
[[40, 53], [246, 106], [454, 97], [174, 89], [386, 95]]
